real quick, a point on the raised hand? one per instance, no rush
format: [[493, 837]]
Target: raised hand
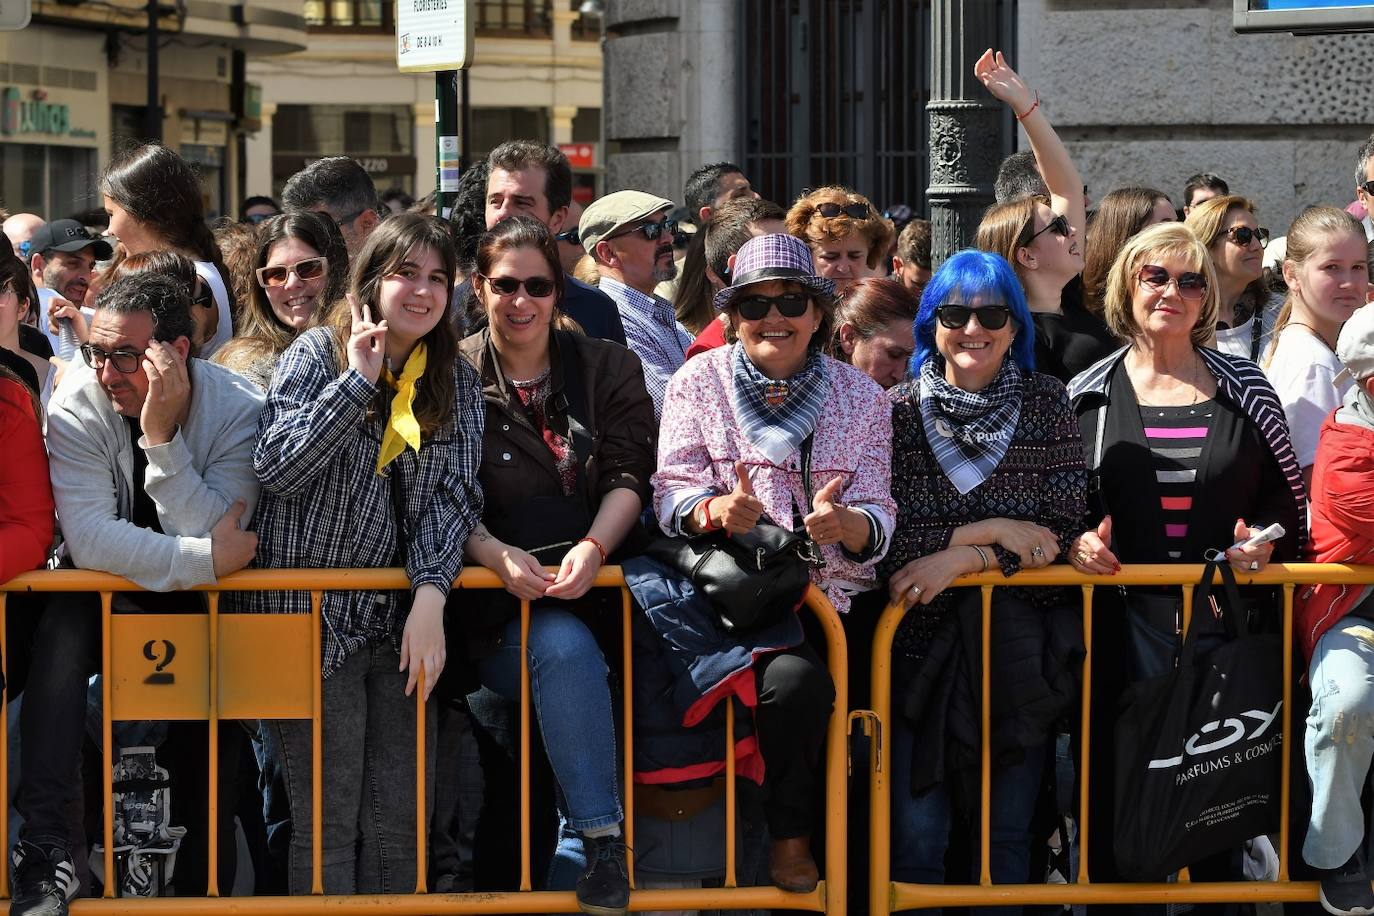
[[169, 392], [366, 341], [1003, 82]]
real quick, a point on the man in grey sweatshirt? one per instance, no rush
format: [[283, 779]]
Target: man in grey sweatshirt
[[151, 456]]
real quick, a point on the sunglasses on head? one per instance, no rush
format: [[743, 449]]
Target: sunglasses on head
[[1243, 235], [535, 287], [756, 308], [1190, 283], [991, 317], [570, 236], [1059, 226], [652, 231], [854, 211], [305, 269]]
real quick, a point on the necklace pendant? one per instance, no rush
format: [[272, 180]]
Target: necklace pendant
[[774, 393]]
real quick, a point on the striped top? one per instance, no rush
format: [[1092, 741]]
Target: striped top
[[1176, 436]]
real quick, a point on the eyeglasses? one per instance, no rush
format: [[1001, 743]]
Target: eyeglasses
[[1368, 187], [350, 218], [125, 361], [1191, 284], [1243, 235], [991, 317], [256, 218], [1059, 226], [535, 287], [651, 230], [756, 308], [305, 269], [570, 236], [203, 296], [854, 211]]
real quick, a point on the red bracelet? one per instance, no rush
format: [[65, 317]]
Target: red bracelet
[[706, 514], [597, 544], [1034, 105]]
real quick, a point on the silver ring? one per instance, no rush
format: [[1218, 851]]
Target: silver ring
[[1254, 565]]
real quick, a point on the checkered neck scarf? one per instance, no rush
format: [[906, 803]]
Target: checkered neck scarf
[[969, 431], [777, 429]]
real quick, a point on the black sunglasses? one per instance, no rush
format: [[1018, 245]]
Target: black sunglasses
[[1244, 235], [1191, 284], [125, 361], [1059, 226], [535, 287], [991, 317], [570, 236], [651, 230], [1368, 187], [854, 211], [756, 308]]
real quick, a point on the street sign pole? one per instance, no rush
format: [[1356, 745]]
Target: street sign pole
[[437, 36]]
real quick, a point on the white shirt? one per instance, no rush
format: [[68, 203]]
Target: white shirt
[[225, 331], [1303, 373], [1239, 341], [1368, 228]]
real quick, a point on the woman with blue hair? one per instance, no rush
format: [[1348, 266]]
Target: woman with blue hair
[[987, 473]]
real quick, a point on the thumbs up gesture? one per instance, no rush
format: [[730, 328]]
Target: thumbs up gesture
[[825, 521], [1091, 551], [739, 510]]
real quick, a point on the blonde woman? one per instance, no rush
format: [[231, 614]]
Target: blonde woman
[[1246, 311]]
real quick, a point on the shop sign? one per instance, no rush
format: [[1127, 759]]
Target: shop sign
[[434, 35], [580, 155], [36, 115]]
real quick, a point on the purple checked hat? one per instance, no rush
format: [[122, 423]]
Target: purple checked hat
[[774, 257]]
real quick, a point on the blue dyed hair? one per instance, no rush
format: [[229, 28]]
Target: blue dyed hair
[[971, 273]]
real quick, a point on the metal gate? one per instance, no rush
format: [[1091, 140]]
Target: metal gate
[[835, 92]]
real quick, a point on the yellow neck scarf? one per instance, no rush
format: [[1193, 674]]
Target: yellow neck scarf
[[402, 428]]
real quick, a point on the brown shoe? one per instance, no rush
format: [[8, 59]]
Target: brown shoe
[[790, 865]]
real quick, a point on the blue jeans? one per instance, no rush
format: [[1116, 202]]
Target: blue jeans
[[572, 705], [920, 824], [1339, 741]]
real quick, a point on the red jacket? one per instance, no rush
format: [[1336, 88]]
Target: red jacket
[[1342, 525], [26, 509]]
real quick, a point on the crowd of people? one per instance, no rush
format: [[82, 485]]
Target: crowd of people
[[347, 380]]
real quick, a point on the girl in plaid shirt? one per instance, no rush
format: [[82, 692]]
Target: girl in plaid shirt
[[368, 454]]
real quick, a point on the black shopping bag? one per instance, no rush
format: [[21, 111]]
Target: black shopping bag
[[1199, 749]]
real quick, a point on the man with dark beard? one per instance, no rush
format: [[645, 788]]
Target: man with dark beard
[[630, 237], [62, 257]]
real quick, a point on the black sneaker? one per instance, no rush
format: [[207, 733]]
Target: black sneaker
[[1346, 891], [604, 889], [42, 880]]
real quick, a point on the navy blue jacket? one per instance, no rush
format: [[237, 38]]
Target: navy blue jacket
[[685, 663]]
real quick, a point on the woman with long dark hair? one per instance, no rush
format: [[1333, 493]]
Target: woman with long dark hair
[[368, 452], [153, 198]]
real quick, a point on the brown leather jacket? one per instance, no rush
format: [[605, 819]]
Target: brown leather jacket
[[518, 473]]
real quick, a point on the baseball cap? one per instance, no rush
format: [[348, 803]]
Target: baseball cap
[[608, 215], [68, 235], [1355, 346]]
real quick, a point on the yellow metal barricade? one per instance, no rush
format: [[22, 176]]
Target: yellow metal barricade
[[217, 666], [887, 896]]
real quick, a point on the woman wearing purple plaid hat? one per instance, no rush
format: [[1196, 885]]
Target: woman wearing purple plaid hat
[[769, 428]]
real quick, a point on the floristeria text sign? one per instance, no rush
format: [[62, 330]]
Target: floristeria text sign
[[433, 35]]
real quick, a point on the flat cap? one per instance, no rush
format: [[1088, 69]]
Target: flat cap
[[612, 213]]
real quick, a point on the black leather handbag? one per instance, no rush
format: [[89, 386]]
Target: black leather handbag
[[751, 579]]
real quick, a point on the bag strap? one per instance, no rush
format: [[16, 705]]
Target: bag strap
[[1233, 618], [574, 395]]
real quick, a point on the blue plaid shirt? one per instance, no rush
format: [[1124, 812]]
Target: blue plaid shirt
[[654, 335], [323, 503]]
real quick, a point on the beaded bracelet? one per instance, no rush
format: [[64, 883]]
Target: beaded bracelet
[[597, 544], [1034, 105]]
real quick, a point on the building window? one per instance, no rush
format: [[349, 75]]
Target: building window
[[352, 15], [57, 181], [380, 137]]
